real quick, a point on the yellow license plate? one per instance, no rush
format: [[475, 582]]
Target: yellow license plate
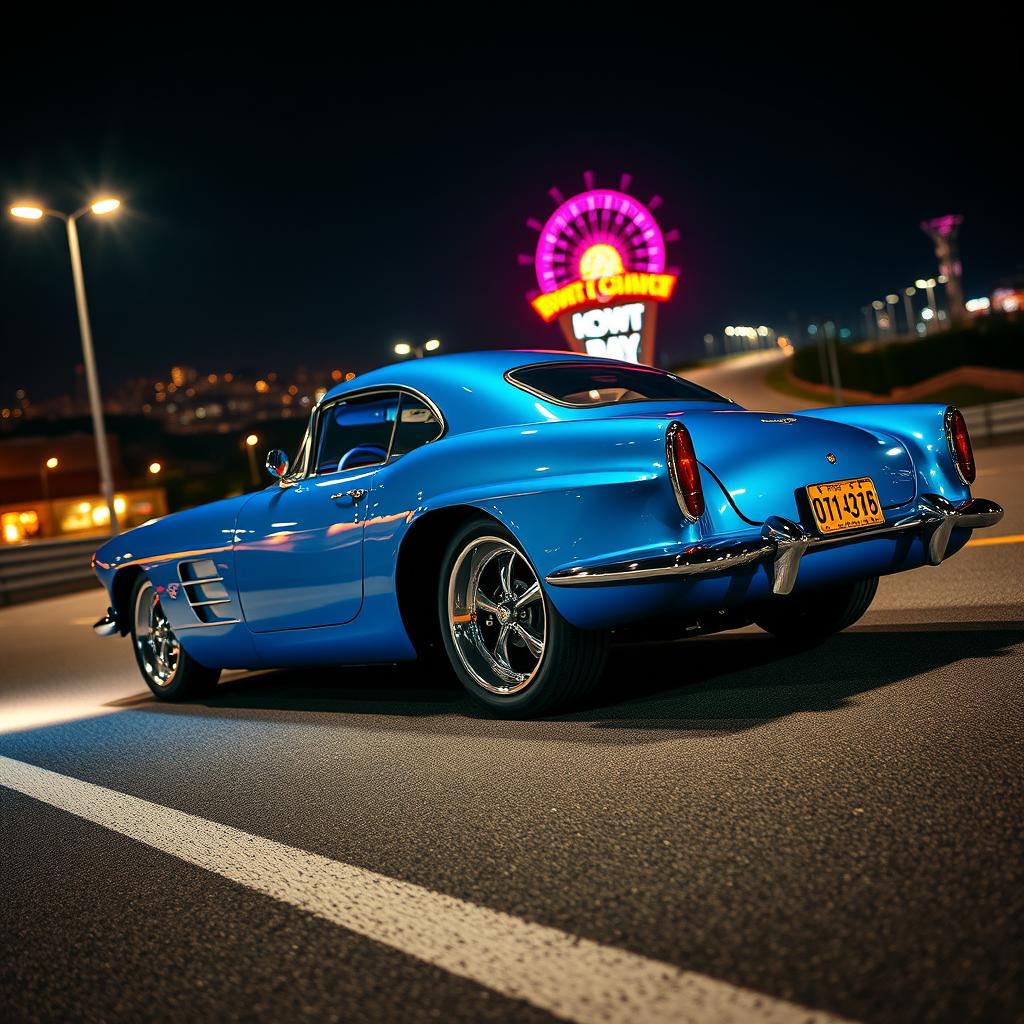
[[845, 505]]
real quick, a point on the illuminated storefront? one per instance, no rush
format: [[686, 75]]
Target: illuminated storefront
[[601, 270], [78, 516], [49, 487]]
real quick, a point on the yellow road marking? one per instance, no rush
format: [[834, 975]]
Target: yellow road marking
[[1011, 538]]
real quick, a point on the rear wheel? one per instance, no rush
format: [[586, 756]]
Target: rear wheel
[[168, 670], [510, 648], [806, 618]]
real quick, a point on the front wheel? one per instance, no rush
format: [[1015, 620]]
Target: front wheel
[[807, 618], [509, 646], [168, 670]]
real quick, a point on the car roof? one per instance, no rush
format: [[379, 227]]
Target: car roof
[[469, 388]]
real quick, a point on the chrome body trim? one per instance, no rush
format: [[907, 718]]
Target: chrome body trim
[[785, 543], [206, 625], [947, 419], [583, 357], [670, 460], [107, 626], [197, 583], [204, 604]]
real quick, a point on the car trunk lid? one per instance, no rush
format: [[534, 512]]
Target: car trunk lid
[[765, 460]]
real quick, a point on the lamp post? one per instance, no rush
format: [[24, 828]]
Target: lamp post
[[44, 478], [250, 449], [908, 307], [891, 302], [928, 284], [99, 207], [403, 348], [878, 306]]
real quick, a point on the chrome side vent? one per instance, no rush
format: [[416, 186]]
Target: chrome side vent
[[203, 586]]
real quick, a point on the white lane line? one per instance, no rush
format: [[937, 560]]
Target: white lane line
[[573, 978]]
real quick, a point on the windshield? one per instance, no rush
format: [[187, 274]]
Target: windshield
[[583, 384]]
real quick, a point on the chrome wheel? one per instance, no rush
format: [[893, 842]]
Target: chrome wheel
[[496, 615], [156, 646]]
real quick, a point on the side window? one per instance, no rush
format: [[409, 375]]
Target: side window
[[356, 433], [417, 425]]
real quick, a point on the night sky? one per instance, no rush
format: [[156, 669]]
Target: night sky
[[280, 214]]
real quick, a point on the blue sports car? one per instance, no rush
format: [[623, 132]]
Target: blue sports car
[[510, 513]]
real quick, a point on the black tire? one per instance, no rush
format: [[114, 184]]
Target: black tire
[[169, 671], [810, 617], [571, 659]]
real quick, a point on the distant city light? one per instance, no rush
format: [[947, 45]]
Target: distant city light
[[262, 386], [892, 299], [845, 332], [52, 462], [909, 291], [252, 440], [155, 467], [927, 313], [433, 345], [977, 305], [812, 329], [878, 304], [403, 348]]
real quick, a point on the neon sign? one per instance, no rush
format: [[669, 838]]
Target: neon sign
[[601, 247], [618, 286]]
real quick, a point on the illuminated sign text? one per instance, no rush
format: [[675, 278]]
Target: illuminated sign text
[[632, 285]]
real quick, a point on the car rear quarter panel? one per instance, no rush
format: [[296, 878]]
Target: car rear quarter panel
[[567, 490]]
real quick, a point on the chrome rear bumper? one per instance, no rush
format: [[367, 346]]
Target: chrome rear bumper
[[784, 543]]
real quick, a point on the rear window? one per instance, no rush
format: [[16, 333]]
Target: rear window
[[584, 384]]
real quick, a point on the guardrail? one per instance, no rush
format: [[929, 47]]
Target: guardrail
[[45, 567], [986, 422]]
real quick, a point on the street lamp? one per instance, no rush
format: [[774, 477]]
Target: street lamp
[[928, 284], [44, 478], [250, 449], [403, 348], [891, 302], [154, 468], [908, 307], [99, 207]]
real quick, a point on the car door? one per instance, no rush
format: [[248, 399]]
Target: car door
[[299, 548]]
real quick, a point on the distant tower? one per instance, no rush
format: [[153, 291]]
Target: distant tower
[[943, 232]]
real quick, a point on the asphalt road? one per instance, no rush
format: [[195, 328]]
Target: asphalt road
[[742, 378], [751, 829]]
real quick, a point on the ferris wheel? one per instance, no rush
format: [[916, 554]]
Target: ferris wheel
[[597, 233]]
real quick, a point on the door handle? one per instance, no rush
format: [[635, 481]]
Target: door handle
[[356, 494]]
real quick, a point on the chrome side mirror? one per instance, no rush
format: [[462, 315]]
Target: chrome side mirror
[[277, 464]]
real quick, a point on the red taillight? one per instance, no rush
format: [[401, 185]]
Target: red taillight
[[685, 472], [960, 445]]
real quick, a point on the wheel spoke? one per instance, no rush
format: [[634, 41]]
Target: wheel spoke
[[485, 604], [501, 647], [533, 643], [505, 572], [528, 596]]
